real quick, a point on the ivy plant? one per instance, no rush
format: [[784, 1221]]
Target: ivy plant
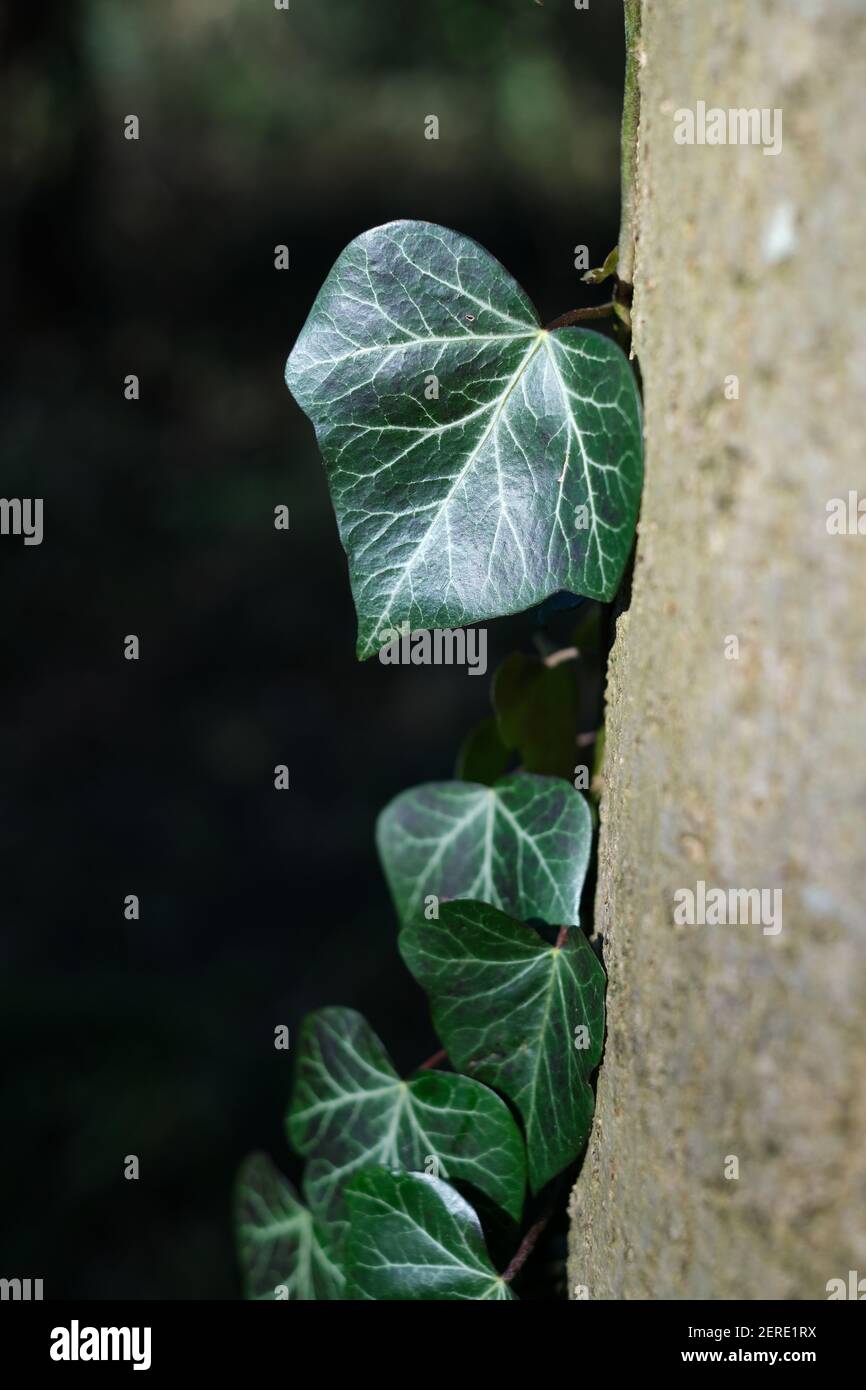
[[522, 845], [351, 1111], [523, 1015], [433, 1232], [479, 464]]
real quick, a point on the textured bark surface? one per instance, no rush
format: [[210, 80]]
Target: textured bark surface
[[749, 772]]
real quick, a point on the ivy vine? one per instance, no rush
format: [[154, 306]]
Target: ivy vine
[[479, 464]]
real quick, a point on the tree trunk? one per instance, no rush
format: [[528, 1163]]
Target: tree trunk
[[743, 771]]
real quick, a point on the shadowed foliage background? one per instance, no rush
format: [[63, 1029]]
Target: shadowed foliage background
[[258, 127]]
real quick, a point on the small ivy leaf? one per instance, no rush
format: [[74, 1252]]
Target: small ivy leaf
[[413, 1237], [526, 1017], [522, 845], [477, 462], [483, 757], [537, 711], [603, 272], [281, 1246], [350, 1110]]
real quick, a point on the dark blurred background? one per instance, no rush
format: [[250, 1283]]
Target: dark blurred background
[[258, 127]]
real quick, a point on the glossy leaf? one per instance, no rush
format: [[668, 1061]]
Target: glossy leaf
[[281, 1246], [350, 1110], [413, 1237], [511, 1010], [522, 845], [477, 462]]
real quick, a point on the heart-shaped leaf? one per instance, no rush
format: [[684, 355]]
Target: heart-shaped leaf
[[477, 462], [284, 1251], [524, 1016], [350, 1110], [522, 845], [413, 1237]]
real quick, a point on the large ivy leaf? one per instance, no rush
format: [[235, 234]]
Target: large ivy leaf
[[522, 845], [350, 1110], [511, 1009], [413, 1237], [280, 1244], [477, 462]]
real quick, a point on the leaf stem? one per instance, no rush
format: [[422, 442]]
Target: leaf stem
[[440, 1056], [594, 311], [527, 1245], [558, 657]]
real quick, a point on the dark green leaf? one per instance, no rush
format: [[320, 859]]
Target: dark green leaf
[[413, 1237], [477, 462], [522, 845], [510, 1009], [537, 711], [283, 1250], [350, 1110], [586, 634], [483, 757]]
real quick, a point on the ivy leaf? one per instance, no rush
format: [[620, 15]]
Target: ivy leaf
[[477, 462], [603, 272], [514, 1011], [350, 1110], [483, 757], [537, 713], [522, 845], [413, 1237], [586, 635], [280, 1243]]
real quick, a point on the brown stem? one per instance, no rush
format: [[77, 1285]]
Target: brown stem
[[564, 654], [594, 311], [434, 1061], [561, 938], [527, 1245]]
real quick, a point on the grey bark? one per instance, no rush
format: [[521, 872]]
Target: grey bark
[[749, 772]]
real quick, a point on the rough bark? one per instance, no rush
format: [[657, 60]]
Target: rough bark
[[747, 772]]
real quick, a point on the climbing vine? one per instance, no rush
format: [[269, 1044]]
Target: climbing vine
[[479, 464]]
